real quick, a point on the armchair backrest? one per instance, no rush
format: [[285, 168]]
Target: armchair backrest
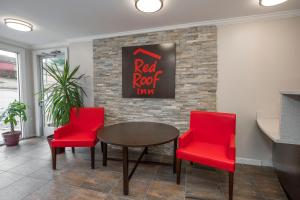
[[212, 127], [87, 118]]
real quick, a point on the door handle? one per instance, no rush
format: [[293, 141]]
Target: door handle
[[41, 103]]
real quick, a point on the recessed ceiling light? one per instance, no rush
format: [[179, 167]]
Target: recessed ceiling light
[[18, 24], [271, 2], [148, 6]]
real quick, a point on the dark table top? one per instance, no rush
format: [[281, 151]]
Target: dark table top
[[138, 134]]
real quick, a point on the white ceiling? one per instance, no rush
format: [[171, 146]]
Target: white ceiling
[[59, 20]]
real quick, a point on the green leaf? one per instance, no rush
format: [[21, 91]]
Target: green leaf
[[62, 95], [15, 110]]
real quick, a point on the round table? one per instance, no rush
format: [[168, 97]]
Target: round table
[[137, 134]]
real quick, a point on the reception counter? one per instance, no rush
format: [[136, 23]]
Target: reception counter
[[284, 131]]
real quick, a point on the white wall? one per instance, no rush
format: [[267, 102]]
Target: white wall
[[81, 53], [27, 94], [255, 61]]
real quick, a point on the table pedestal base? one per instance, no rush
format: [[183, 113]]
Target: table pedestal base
[[127, 176]]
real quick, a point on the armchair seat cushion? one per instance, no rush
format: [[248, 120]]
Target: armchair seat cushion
[[213, 155], [75, 139]]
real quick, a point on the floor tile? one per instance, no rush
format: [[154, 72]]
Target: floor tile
[[137, 189], [46, 173], [72, 177], [3, 156], [165, 173], [86, 194], [144, 171], [26, 173], [51, 191], [7, 178], [201, 189], [160, 190], [102, 181], [29, 167], [21, 188], [39, 153], [13, 162], [116, 197]]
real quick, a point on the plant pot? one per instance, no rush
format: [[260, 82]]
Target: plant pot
[[58, 150], [11, 139]]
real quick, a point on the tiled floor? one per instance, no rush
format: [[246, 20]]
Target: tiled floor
[[25, 173]]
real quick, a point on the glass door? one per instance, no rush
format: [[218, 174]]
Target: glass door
[[9, 85], [58, 58]]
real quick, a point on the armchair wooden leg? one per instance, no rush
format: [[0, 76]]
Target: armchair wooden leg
[[102, 147], [178, 170], [231, 176], [93, 157], [73, 149], [104, 154], [53, 152]]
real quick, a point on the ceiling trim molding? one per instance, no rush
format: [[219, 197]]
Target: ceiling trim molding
[[51, 45], [219, 22], [14, 43]]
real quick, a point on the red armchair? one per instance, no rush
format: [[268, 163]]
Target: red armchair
[[81, 131], [209, 141]]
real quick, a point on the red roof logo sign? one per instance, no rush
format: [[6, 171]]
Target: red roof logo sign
[[146, 75], [148, 71], [149, 53]]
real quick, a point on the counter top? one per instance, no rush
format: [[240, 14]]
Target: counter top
[[270, 127], [290, 92]]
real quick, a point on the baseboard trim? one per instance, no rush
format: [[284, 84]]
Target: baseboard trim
[[256, 162]]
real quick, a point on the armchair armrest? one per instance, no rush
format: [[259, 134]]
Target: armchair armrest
[[231, 147], [185, 138], [62, 130], [96, 128]]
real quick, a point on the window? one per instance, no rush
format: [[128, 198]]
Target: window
[[9, 84]]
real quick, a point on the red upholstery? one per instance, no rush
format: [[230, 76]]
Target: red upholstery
[[210, 140], [82, 129]]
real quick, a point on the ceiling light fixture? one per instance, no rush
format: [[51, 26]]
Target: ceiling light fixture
[[271, 2], [149, 6], [18, 24]]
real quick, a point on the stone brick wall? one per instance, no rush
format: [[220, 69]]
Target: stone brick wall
[[196, 78]]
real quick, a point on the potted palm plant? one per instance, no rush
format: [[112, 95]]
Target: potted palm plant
[[15, 110], [66, 92]]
